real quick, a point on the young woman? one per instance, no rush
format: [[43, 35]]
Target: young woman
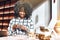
[[21, 23]]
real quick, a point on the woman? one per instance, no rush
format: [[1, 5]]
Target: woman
[[21, 23]]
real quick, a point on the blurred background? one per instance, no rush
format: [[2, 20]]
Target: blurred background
[[45, 13]]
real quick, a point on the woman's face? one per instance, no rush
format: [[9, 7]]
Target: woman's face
[[22, 13]]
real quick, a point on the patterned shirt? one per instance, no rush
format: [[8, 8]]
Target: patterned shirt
[[26, 22]]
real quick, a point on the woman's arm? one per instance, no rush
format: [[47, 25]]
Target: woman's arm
[[14, 27], [22, 27], [31, 26], [10, 27], [31, 32]]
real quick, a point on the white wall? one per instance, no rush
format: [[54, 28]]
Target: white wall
[[43, 14], [58, 5], [47, 13], [54, 14]]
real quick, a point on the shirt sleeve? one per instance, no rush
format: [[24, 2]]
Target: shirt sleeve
[[31, 26], [10, 27]]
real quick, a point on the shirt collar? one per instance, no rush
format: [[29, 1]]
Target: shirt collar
[[20, 18]]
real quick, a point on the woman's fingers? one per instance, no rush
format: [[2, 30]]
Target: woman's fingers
[[14, 26], [23, 27], [19, 26]]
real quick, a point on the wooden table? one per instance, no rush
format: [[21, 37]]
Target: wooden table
[[18, 37]]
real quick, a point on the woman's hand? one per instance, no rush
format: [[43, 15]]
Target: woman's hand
[[19, 26], [23, 27], [14, 27]]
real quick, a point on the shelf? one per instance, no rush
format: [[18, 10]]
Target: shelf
[[6, 21], [7, 5], [11, 17], [1, 7], [6, 18], [1, 13], [6, 13], [3, 23], [12, 5], [12, 11], [1, 18], [0, 23], [11, 14]]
